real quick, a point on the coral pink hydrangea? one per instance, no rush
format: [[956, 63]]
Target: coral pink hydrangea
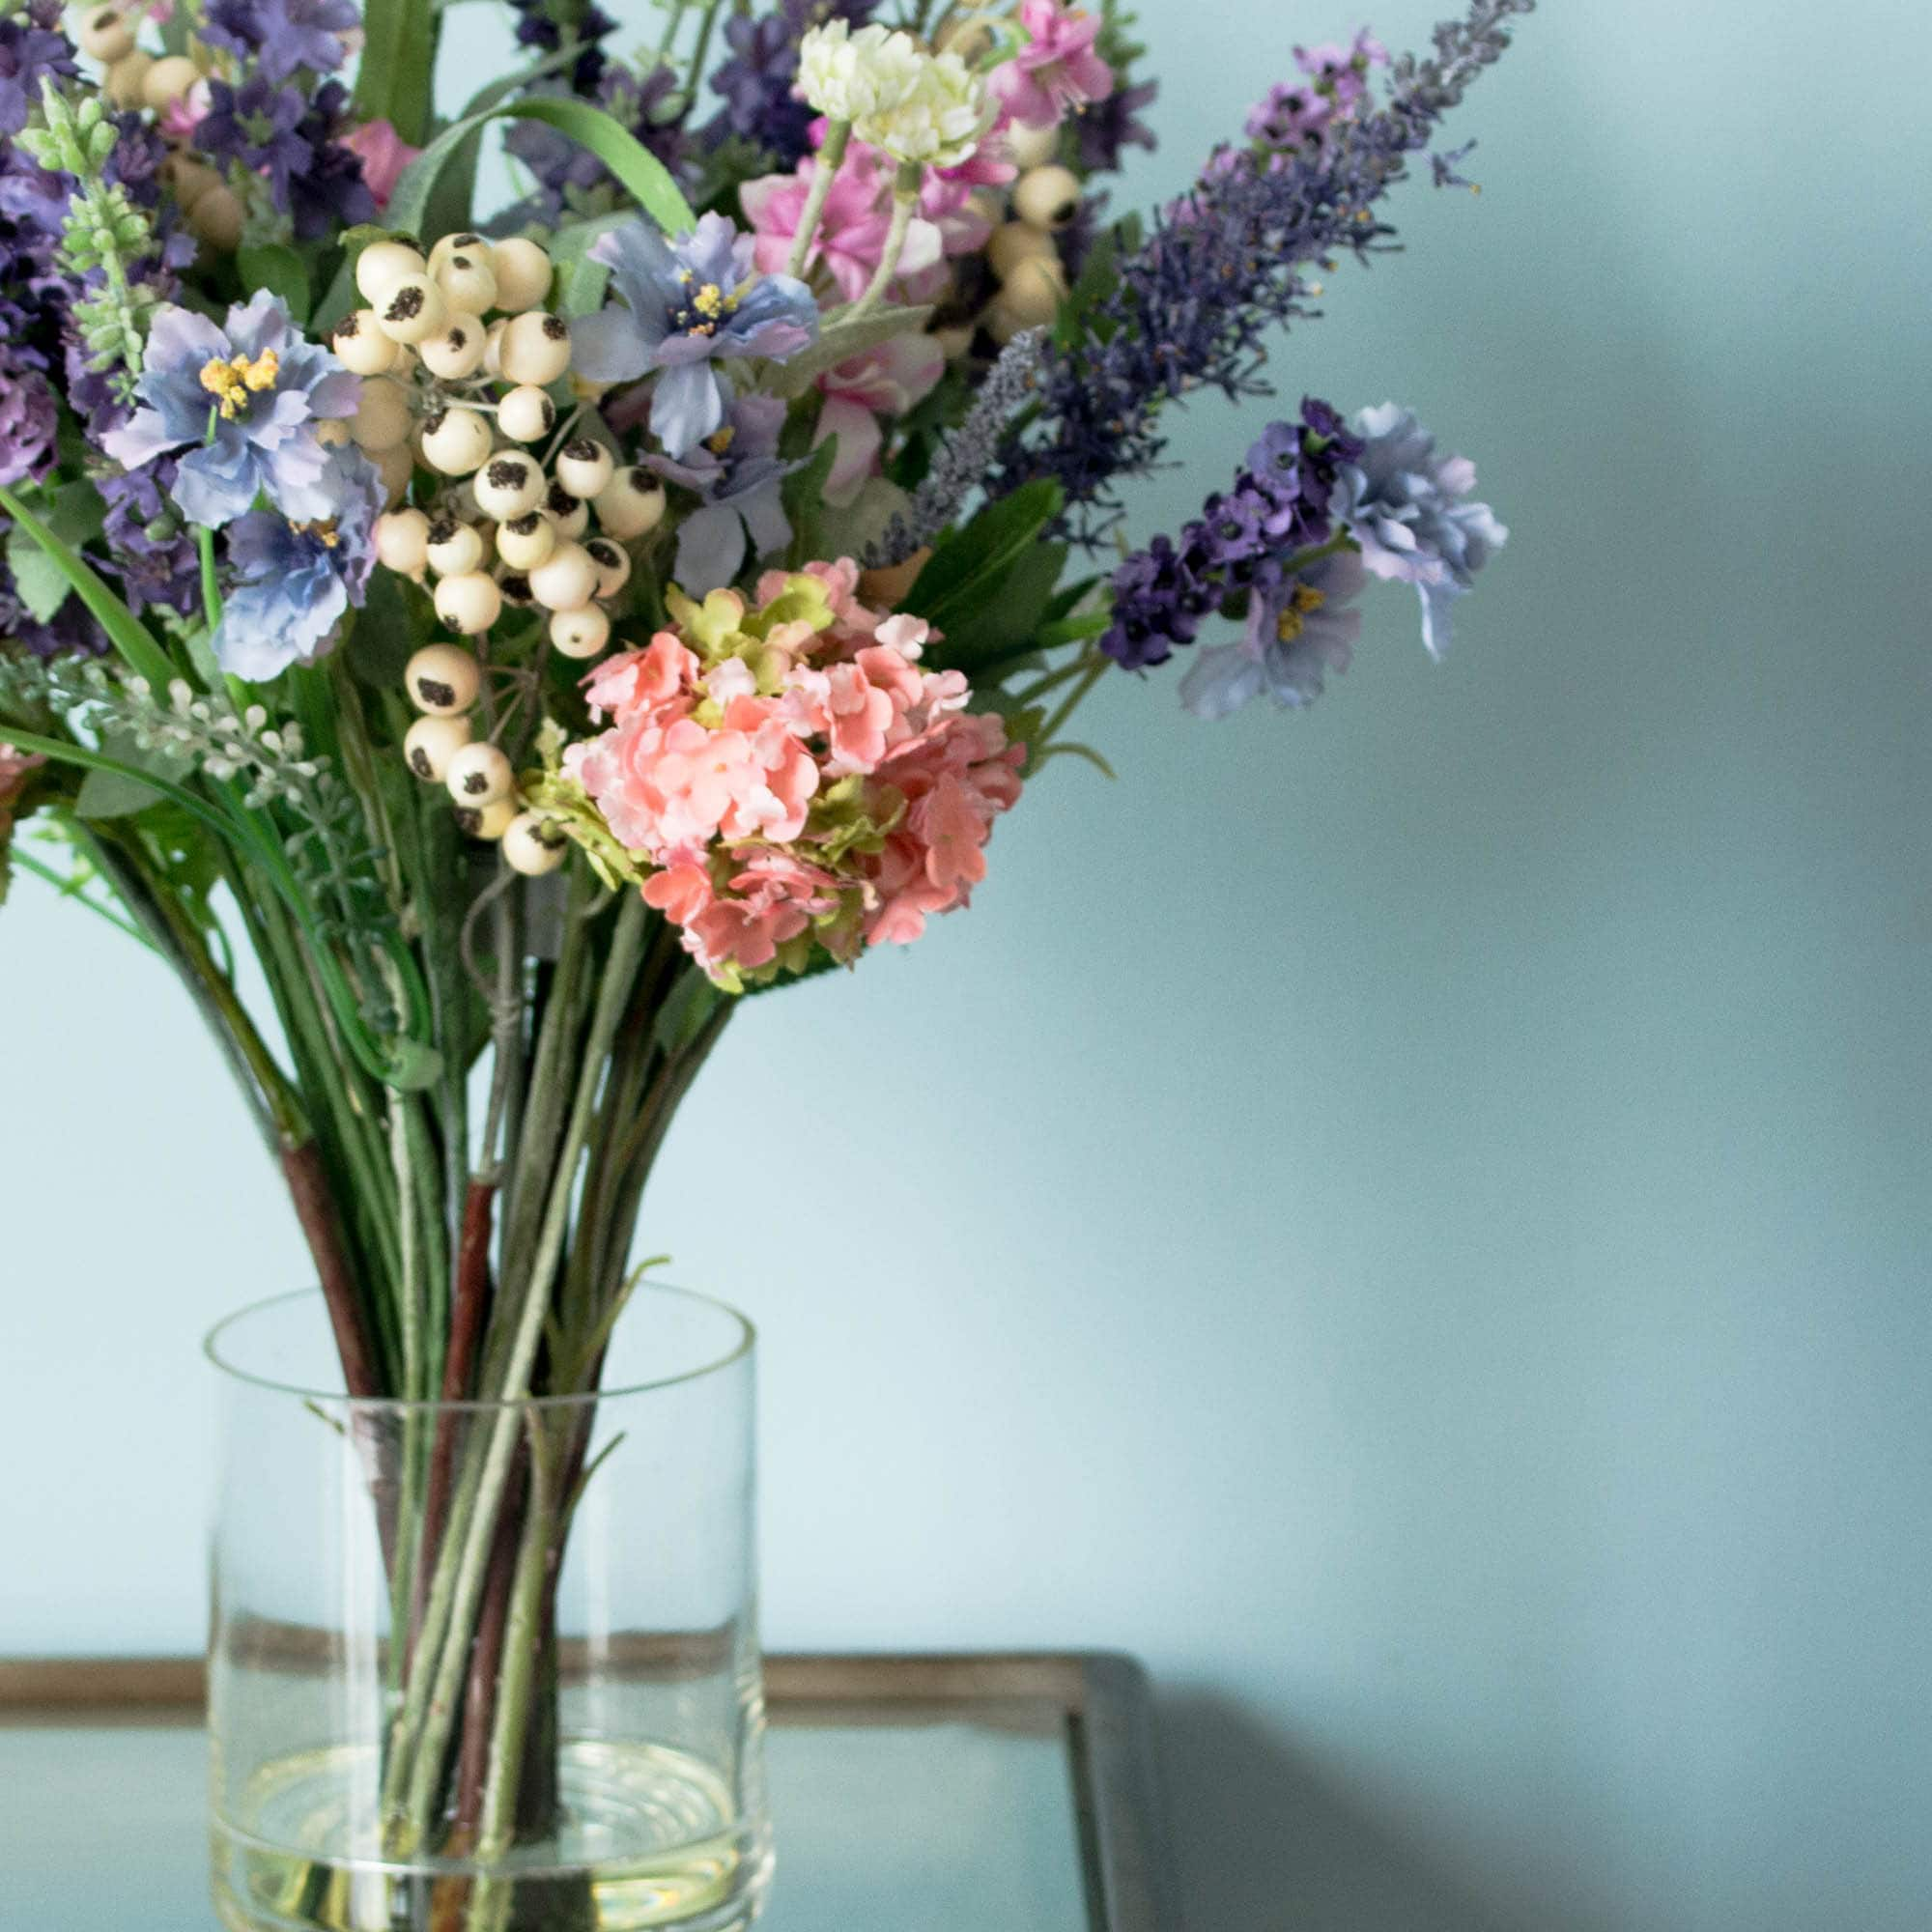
[[791, 775]]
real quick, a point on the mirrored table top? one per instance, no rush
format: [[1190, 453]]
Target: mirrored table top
[[910, 1795]]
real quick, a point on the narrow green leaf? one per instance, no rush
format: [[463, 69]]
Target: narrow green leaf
[[641, 172], [396, 78], [968, 564], [128, 634], [281, 271]]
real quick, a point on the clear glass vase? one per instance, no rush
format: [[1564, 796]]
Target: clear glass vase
[[488, 1667]]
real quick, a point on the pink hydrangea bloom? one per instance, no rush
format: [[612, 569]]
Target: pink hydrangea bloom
[[793, 775], [385, 155], [1057, 70], [884, 380]]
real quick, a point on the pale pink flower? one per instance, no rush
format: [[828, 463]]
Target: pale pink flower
[[641, 680], [887, 380], [852, 231], [1057, 70], [775, 898], [184, 114], [385, 155]]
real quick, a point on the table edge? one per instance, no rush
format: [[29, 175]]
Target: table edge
[[1104, 1698]]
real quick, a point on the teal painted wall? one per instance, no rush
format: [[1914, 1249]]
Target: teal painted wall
[[1411, 1217]]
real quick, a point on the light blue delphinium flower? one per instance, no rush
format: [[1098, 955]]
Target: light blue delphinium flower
[[737, 472], [261, 387], [1299, 630], [1399, 500], [689, 303], [297, 579]]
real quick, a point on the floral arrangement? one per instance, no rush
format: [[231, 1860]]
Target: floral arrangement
[[531, 631]]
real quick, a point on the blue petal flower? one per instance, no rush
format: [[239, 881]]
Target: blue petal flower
[[294, 579], [686, 304], [737, 474], [1402, 503], [248, 396]]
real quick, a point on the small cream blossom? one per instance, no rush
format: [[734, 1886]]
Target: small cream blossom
[[844, 75], [939, 122]]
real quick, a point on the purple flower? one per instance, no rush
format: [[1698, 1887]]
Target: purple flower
[[248, 396], [1291, 117], [257, 125], [1342, 72], [1402, 504], [29, 421], [332, 193], [1158, 601], [757, 80], [689, 303], [1107, 128], [295, 580], [1299, 629], [152, 552], [546, 24], [31, 49], [283, 38], [736, 474], [1193, 307]]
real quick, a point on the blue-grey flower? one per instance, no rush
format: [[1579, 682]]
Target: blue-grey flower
[[250, 395], [1299, 630], [294, 581], [688, 305], [736, 473], [1403, 503]]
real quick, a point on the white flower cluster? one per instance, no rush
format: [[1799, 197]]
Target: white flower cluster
[[919, 107]]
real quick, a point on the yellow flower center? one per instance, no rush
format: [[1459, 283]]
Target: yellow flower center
[[231, 383], [719, 441], [1294, 612], [323, 532]]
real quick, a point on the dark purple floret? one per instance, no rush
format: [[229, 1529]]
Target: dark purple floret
[[550, 25], [152, 552], [260, 125], [1276, 508], [332, 195], [30, 48], [1107, 128], [756, 82]]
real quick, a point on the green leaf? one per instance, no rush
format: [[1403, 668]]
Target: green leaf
[[128, 634], [1003, 616], [396, 78], [581, 282], [388, 631], [803, 494], [641, 172], [968, 565], [118, 794], [42, 585], [449, 208], [281, 271], [842, 333]]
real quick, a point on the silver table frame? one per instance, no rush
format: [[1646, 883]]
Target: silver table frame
[[1101, 1700]]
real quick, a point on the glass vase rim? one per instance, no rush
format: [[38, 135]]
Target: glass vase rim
[[738, 1351]]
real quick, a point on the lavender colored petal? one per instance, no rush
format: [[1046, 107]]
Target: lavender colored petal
[[710, 548], [609, 346], [686, 406]]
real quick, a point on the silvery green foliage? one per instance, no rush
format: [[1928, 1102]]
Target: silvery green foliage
[[968, 455], [105, 233], [328, 850]]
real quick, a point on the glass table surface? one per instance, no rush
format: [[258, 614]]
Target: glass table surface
[[892, 1814]]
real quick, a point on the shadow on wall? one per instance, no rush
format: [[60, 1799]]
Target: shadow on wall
[[1268, 1842]]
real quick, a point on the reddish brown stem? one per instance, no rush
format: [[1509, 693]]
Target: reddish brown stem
[[470, 1303], [315, 1207], [486, 1662]]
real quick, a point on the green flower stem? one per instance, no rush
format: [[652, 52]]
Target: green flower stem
[[523, 1640], [75, 890], [424, 1726], [905, 204], [1090, 675], [702, 53], [824, 171]]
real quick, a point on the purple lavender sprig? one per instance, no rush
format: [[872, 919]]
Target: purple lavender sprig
[[1192, 306]]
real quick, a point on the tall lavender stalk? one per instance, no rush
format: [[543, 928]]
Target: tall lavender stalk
[[1192, 306]]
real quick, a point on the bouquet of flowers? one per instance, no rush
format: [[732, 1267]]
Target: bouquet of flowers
[[531, 632]]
